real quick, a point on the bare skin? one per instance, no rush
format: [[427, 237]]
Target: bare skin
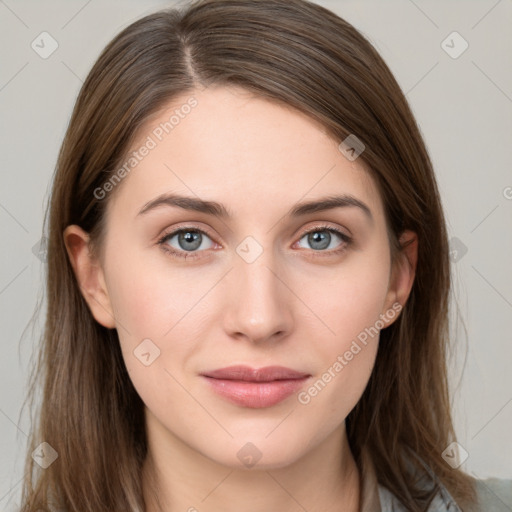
[[298, 304]]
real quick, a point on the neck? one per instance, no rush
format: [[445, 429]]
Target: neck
[[176, 478]]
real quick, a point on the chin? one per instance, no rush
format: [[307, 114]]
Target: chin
[[259, 453]]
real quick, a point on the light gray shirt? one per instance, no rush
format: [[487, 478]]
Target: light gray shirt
[[494, 494]]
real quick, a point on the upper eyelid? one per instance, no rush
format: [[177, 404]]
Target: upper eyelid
[[324, 228], [175, 231]]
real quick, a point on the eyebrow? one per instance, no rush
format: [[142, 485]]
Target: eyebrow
[[219, 210]]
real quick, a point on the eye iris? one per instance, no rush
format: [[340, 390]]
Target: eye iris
[[322, 237], [189, 237]]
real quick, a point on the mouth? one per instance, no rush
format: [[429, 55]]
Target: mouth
[[255, 388]]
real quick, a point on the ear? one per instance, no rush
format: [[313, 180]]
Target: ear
[[89, 275], [402, 276]]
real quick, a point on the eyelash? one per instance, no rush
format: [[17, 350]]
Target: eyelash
[[193, 255]]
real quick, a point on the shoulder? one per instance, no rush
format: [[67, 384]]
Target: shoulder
[[494, 495]]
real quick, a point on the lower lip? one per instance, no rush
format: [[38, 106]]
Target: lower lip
[[256, 394]]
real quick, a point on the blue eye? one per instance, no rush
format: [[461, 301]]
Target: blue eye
[[320, 239], [189, 241], [192, 241]]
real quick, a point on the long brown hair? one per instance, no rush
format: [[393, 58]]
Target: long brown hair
[[302, 55]]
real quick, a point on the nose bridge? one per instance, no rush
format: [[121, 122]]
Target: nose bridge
[[258, 308]]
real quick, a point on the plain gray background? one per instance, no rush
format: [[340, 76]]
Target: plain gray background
[[463, 106]]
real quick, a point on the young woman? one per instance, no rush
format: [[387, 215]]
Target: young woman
[[248, 278]]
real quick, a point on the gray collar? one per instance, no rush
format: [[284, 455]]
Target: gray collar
[[377, 498], [442, 502]]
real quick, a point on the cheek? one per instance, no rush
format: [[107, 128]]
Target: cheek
[[348, 300], [151, 306], [152, 300], [349, 304], [148, 294]]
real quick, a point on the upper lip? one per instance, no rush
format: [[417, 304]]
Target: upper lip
[[246, 373]]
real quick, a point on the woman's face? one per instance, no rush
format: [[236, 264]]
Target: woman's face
[[249, 287]]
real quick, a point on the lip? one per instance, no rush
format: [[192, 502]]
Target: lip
[[255, 388]]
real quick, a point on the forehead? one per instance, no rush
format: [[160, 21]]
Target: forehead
[[252, 154]]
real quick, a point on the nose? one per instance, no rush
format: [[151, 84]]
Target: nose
[[259, 302]]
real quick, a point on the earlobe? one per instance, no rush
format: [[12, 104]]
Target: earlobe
[[403, 272], [89, 275]]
